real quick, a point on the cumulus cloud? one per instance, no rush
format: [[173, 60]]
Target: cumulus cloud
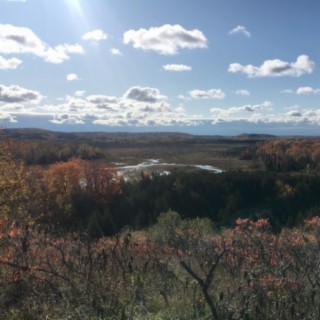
[[61, 52], [166, 40], [75, 104], [72, 77], [266, 105], [209, 94], [115, 52], [21, 40], [243, 92], [8, 117], [16, 94], [103, 101], [12, 63], [151, 121], [144, 94], [176, 67], [307, 90], [12, 106], [242, 113], [246, 108], [276, 68], [251, 114], [67, 119], [139, 106], [180, 109], [95, 35], [183, 97], [138, 118], [241, 30], [294, 113]]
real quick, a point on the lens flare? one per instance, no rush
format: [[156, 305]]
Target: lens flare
[[76, 11]]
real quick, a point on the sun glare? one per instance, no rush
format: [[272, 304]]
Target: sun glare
[[75, 8], [77, 14]]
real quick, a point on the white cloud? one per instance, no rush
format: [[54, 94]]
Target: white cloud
[[72, 77], [243, 92], [180, 109], [12, 63], [176, 67], [21, 40], [61, 52], [307, 90], [266, 105], [12, 106], [139, 106], [251, 114], [151, 121], [183, 97], [116, 52], [209, 94], [166, 39], [95, 35], [75, 104], [102, 101], [144, 94], [67, 119], [293, 113], [243, 113], [16, 94], [8, 117], [242, 30], [159, 116], [276, 68]]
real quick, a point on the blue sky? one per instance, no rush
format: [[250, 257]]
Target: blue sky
[[205, 67]]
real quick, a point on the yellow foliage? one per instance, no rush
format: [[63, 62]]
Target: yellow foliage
[[13, 188]]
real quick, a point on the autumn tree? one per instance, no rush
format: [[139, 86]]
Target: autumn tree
[[66, 187], [101, 185], [14, 193], [286, 154]]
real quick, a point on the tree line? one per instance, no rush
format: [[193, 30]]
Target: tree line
[[286, 154], [283, 198], [37, 152], [88, 195]]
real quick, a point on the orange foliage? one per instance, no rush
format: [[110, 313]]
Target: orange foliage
[[313, 222], [53, 188], [262, 265], [287, 155]]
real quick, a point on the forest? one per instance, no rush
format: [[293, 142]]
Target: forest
[[79, 240]]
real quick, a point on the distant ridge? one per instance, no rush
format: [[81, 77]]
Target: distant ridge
[[256, 136], [29, 132], [42, 134]]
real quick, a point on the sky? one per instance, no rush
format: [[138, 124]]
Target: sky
[[197, 66]]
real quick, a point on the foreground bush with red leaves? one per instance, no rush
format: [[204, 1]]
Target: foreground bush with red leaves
[[182, 270]]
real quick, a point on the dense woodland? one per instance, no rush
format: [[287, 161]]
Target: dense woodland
[[286, 154], [283, 186], [78, 241]]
